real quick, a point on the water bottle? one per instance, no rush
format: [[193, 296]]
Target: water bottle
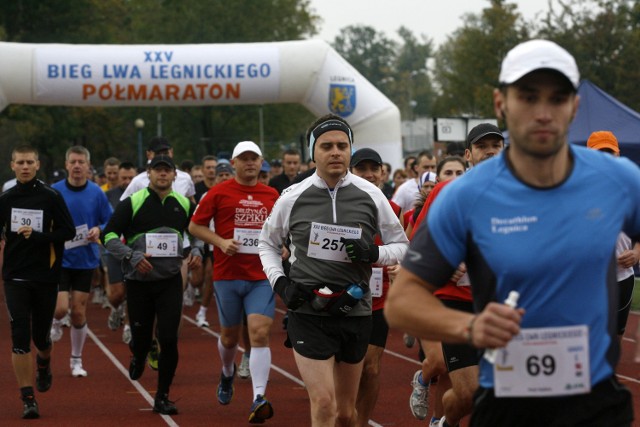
[[355, 291], [349, 299]]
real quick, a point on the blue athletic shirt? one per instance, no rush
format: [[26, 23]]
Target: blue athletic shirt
[[555, 246], [88, 205]]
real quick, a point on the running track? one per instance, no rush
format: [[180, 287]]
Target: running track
[[107, 397]]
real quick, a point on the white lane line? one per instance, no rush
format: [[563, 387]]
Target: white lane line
[[274, 367], [125, 372], [626, 378]]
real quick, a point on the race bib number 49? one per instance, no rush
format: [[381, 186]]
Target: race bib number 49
[[324, 241], [162, 244], [544, 362]]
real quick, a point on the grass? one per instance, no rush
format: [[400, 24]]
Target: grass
[[635, 303]]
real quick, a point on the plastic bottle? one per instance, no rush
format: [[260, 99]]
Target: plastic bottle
[[355, 291], [511, 301]]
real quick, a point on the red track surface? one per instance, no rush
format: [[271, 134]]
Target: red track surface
[[107, 397]]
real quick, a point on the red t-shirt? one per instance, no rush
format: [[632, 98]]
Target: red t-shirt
[[377, 303], [234, 206], [450, 291]]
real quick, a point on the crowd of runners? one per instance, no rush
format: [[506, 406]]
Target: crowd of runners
[[510, 265]]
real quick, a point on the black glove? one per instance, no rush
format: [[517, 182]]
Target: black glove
[[359, 251], [293, 294]]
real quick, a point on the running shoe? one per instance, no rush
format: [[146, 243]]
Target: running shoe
[[97, 296], [115, 318], [409, 340], [66, 320], [188, 297], [30, 410], [164, 406], [418, 401], [152, 357], [44, 378], [126, 334], [136, 368], [201, 320], [76, 368], [435, 422], [243, 370], [225, 388], [56, 331], [261, 410]]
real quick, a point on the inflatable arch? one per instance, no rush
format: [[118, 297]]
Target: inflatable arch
[[308, 72]]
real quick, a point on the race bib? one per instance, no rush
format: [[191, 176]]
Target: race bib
[[324, 241], [80, 239], [30, 217], [375, 283], [544, 362], [248, 239], [162, 244]]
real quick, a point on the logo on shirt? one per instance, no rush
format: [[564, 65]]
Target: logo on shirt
[[517, 224], [247, 217]]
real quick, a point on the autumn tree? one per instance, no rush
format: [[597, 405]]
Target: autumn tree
[[468, 63]]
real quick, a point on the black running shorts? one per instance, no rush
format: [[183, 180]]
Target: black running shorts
[[458, 356], [320, 337]]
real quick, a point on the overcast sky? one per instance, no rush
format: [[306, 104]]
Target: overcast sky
[[434, 18]]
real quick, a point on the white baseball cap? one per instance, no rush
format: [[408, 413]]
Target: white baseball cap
[[244, 146], [537, 55]]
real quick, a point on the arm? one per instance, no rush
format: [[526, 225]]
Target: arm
[[117, 226], [63, 228], [411, 307], [204, 233], [272, 238]]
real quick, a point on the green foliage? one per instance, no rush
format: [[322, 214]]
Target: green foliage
[[397, 70], [193, 132], [467, 64], [604, 37]]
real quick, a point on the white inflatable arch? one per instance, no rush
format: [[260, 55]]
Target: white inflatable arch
[[308, 72]]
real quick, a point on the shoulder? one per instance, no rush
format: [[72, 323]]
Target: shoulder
[[268, 190]]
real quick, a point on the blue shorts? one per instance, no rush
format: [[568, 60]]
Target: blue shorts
[[236, 297]]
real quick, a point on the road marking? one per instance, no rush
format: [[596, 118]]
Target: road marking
[[273, 367], [125, 372]]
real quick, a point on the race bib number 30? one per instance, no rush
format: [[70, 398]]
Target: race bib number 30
[[80, 239], [30, 217], [248, 239], [162, 244], [544, 362], [324, 241]]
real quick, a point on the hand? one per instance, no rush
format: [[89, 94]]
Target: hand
[[496, 325], [25, 230], [143, 266], [229, 247], [194, 261], [628, 258], [457, 275], [94, 235], [392, 271], [294, 295], [360, 251]]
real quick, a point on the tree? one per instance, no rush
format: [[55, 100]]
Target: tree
[[192, 131], [604, 37], [396, 69], [467, 64]]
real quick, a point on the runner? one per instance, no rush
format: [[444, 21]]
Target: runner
[[238, 208]]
